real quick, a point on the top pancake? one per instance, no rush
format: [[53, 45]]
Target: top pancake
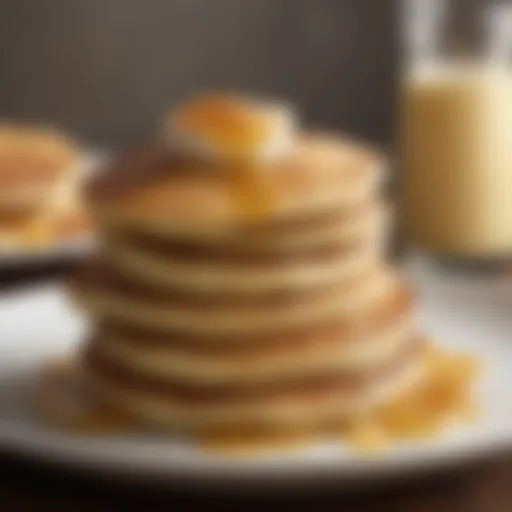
[[153, 191]]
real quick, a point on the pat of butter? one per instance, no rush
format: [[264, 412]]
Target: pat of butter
[[216, 127]]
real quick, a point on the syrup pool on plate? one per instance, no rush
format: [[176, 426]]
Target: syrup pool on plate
[[443, 396]]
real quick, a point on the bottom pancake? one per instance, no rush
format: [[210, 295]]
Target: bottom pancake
[[176, 406]]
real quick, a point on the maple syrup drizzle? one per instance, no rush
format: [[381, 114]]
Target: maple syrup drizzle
[[442, 397], [250, 191]]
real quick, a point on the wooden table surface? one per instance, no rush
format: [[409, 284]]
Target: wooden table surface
[[482, 486]]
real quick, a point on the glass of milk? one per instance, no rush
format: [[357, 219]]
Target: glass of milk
[[456, 129]]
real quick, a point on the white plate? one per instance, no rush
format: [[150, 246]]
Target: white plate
[[470, 313]]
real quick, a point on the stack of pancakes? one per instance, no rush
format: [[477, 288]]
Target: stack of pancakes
[[39, 174], [229, 296]]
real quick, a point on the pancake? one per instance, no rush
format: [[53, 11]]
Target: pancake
[[38, 231], [105, 296], [382, 315], [318, 399], [206, 270], [306, 235], [157, 193], [362, 221], [27, 231], [61, 218], [210, 392], [32, 161], [327, 348]]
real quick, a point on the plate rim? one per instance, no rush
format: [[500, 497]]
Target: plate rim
[[227, 470]]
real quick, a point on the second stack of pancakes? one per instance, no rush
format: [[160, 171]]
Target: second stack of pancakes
[[40, 172], [227, 296]]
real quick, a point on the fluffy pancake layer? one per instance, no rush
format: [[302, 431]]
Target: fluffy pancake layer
[[106, 295], [320, 398], [380, 316], [205, 269], [353, 346]]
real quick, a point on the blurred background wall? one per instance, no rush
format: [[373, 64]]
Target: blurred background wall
[[106, 69]]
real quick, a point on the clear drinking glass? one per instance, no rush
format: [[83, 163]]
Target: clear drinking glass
[[456, 129]]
